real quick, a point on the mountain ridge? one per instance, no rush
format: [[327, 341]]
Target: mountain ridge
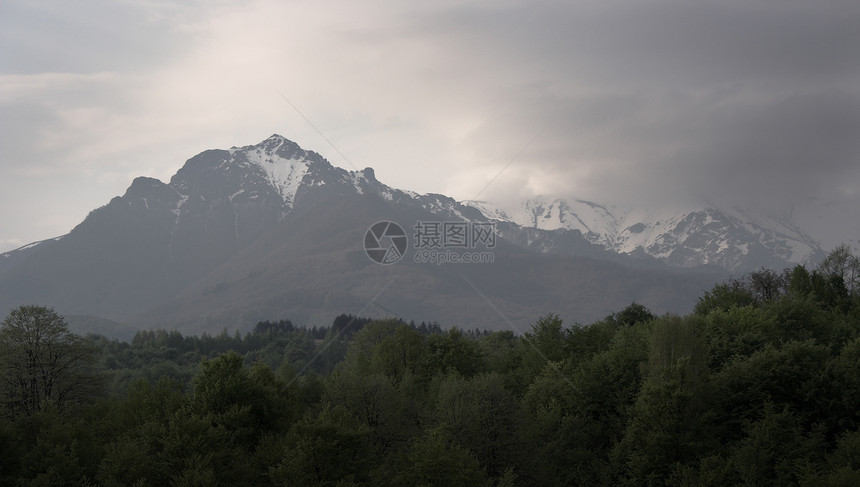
[[271, 231], [734, 239]]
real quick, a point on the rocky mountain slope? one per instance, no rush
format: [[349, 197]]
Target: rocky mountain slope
[[273, 231]]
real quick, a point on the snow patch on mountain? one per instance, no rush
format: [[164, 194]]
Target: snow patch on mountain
[[487, 209], [284, 174], [732, 238], [31, 245]]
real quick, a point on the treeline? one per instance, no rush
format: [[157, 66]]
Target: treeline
[[759, 385], [152, 354]]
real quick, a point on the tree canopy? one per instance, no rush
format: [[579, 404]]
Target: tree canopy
[[42, 362], [760, 385]]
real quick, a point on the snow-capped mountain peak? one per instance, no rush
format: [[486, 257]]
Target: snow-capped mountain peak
[[596, 222], [283, 162], [731, 238]]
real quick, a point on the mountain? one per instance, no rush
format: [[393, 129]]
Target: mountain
[[273, 231], [733, 239]]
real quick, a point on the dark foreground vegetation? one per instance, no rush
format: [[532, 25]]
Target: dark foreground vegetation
[[760, 385]]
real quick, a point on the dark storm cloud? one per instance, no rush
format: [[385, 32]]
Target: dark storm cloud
[[778, 149], [755, 102]]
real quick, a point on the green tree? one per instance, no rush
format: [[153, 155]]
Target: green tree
[[734, 333], [503, 354], [776, 451], [632, 314], [246, 402], [391, 415], [547, 337], [799, 281], [135, 430], [360, 355], [452, 351], [792, 375], [829, 290], [666, 422], [398, 354], [841, 262], [41, 362], [579, 407], [724, 296], [435, 459], [327, 448], [844, 462], [767, 284], [58, 449], [545, 342], [484, 417]]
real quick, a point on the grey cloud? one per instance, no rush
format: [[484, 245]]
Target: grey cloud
[[771, 151], [755, 101], [87, 36], [663, 42], [781, 149], [635, 102]]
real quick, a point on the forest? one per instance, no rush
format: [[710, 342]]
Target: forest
[[758, 385]]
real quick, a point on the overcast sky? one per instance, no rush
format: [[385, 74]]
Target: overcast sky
[[648, 103]]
